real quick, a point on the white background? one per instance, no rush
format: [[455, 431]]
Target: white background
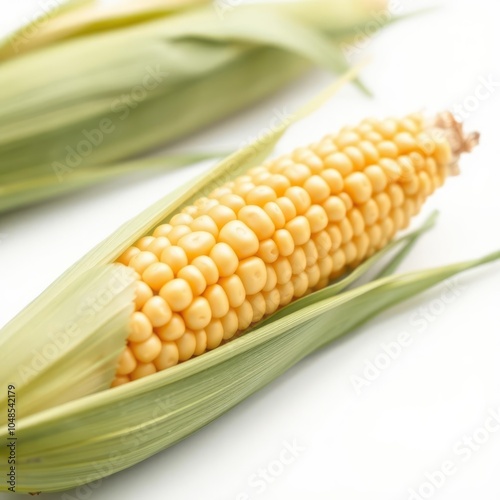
[[378, 444]]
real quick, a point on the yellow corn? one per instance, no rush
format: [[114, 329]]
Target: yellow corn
[[275, 234]]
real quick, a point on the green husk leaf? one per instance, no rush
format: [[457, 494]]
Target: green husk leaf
[[60, 357], [86, 17], [93, 437], [263, 25], [329, 16]]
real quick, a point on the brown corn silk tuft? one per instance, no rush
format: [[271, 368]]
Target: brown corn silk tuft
[[284, 229]]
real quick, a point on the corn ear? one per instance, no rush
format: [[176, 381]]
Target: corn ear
[[286, 228], [197, 66], [73, 438]]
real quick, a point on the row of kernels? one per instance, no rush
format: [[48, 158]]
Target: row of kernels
[[275, 234]]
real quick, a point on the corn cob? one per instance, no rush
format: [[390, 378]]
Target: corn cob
[[284, 229]]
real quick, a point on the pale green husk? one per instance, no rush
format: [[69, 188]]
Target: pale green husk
[[74, 432], [207, 64], [85, 440]]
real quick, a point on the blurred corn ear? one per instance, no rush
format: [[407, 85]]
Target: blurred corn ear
[[92, 86]]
